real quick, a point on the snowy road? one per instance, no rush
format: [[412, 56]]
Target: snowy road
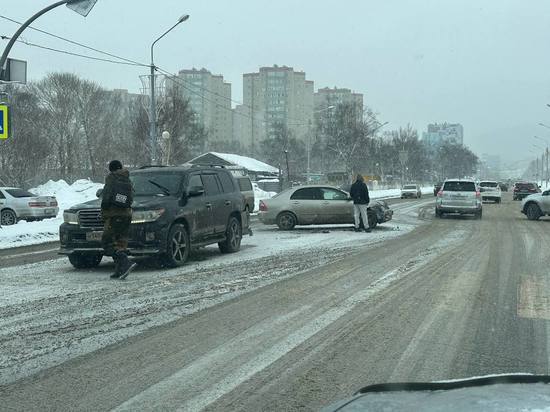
[[294, 321]]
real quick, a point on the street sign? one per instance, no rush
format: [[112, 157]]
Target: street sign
[[4, 126], [16, 71]]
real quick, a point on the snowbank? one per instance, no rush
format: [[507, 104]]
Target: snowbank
[[260, 194], [31, 233]]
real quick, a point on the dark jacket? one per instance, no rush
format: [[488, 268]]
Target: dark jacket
[[359, 192], [117, 181]]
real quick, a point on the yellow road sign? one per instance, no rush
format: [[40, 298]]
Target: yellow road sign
[[4, 126]]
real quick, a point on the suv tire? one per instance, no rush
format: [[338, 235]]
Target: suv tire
[[177, 246], [8, 217], [233, 236], [438, 213], [479, 214], [373, 219], [286, 221], [85, 261], [533, 211]]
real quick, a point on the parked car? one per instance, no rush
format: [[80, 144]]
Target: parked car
[[490, 190], [437, 188], [503, 186], [524, 189], [246, 188], [317, 204], [536, 205], [412, 190], [459, 196], [18, 204], [175, 209]]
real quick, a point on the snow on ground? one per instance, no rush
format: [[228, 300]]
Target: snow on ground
[[52, 312], [30, 233]]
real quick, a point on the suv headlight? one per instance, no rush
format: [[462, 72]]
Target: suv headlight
[[145, 216], [70, 218]]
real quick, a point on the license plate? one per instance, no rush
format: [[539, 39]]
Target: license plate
[[49, 211], [94, 236]]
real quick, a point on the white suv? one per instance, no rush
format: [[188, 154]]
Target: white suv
[[459, 196], [490, 190]]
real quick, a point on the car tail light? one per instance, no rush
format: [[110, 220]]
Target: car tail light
[[53, 203], [478, 193], [263, 206], [37, 204]]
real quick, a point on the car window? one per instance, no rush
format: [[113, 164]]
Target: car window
[[211, 185], [409, 187], [525, 186], [459, 187], [307, 193], [194, 181], [244, 184], [227, 182], [489, 184], [332, 194], [19, 193], [2, 195], [156, 183]]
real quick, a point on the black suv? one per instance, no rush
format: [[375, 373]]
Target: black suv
[[175, 209]]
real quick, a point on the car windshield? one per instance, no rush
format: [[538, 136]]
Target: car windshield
[[315, 204], [156, 183], [19, 193], [459, 187]]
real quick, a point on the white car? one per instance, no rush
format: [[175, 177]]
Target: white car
[[411, 190], [536, 205], [490, 190], [18, 204], [459, 196]]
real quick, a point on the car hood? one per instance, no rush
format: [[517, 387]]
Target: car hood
[[491, 393], [145, 202]]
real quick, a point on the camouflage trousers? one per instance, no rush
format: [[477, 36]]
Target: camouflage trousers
[[116, 229]]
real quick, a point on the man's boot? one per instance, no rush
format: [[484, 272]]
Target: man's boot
[[116, 259], [125, 265]]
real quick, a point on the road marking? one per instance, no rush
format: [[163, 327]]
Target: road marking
[[38, 252]]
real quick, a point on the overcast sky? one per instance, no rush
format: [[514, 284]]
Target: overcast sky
[[485, 64]]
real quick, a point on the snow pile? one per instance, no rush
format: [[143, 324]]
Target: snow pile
[[31, 233], [247, 163], [260, 194]]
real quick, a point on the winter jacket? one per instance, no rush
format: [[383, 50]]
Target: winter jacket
[[359, 192], [117, 181]]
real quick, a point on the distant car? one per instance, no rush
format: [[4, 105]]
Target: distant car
[[246, 188], [18, 204], [524, 189], [317, 204], [459, 196], [437, 188], [503, 186], [412, 190], [490, 190], [536, 205]]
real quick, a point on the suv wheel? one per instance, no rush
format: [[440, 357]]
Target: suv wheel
[[178, 245], [286, 221], [373, 220], [85, 261], [533, 212], [8, 217], [233, 236]]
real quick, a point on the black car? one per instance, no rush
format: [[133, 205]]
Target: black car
[[175, 209], [524, 189]]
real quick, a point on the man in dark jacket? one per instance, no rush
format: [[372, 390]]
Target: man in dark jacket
[[116, 210], [359, 192]]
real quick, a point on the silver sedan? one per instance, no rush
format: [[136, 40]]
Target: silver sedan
[[316, 204], [18, 204]]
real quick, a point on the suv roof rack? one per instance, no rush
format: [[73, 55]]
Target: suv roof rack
[[207, 165], [148, 166]]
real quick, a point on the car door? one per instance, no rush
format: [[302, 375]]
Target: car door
[[215, 200], [545, 201], [306, 203], [203, 223], [336, 206]]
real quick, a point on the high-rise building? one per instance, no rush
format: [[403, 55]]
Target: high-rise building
[[327, 97], [444, 132], [210, 98], [276, 95]]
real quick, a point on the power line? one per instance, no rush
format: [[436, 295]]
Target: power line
[[70, 53], [76, 43]]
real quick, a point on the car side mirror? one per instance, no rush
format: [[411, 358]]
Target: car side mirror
[[99, 192], [196, 191]]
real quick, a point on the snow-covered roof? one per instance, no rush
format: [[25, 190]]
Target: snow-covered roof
[[247, 163]]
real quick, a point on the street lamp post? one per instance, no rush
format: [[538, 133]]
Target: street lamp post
[[308, 148], [80, 6], [546, 152], [152, 101], [287, 169]]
